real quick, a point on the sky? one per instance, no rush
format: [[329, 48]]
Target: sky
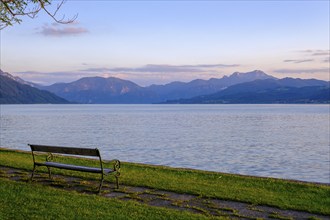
[[157, 42]]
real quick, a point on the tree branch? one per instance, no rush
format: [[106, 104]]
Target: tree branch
[[52, 15], [10, 9]]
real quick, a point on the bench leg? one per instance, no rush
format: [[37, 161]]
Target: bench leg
[[101, 183], [34, 167], [49, 173], [117, 182]]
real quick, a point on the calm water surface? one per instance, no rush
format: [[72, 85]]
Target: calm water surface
[[285, 141]]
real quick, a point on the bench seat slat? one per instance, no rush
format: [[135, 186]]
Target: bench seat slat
[[75, 167]]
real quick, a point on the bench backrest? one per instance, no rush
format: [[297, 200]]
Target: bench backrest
[[66, 150]]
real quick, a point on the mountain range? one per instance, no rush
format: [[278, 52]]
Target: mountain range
[[267, 91], [251, 87], [14, 90], [97, 90]]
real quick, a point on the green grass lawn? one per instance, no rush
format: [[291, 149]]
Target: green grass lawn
[[265, 191], [27, 201]]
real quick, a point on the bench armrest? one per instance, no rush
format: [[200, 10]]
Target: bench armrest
[[116, 165]]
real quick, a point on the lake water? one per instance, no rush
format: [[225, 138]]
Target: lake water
[[284, 141]]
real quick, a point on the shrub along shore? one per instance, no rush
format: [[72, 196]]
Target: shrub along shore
[[284, 194]]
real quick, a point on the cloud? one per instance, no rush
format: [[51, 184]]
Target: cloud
[[316, 52], [309, 55], [326, 60], [162, 74], [298, 61], [97, 70], [302, 71], [141, 78], [154, 68], [159, 69], [55, 30], [46, 78], [325, 53], [145, 75]]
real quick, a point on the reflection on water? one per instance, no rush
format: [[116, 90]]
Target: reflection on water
[[286, 141]]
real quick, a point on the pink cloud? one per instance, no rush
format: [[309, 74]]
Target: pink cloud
[[56, 30]]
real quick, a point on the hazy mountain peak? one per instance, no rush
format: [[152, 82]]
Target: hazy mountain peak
[[259, 71], [14, 90], [256, 74], [239, 77], [17, 79]]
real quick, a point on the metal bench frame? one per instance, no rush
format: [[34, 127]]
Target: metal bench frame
[[93, 152]]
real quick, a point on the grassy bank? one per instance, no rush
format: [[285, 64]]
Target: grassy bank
[[27, 201], [266, 191]]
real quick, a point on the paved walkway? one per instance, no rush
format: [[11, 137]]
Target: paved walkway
[[161, 198]]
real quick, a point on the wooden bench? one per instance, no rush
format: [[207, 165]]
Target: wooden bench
[[73, 151]]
